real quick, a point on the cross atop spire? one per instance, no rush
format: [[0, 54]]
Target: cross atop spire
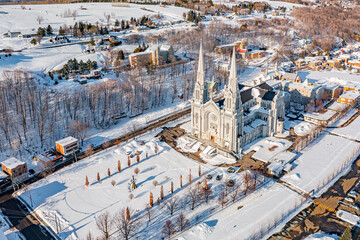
[[200, 73], [233, 83]]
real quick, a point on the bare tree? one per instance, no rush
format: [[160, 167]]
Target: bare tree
[[168, 229], [171, 204], [40, 19], [222, 199], [194, 194], [89, 236], [126, 227], [104, 222], [148, 211], [182, 222]]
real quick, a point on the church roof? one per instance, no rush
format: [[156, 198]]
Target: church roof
[[269, 95], [246, 95], [265, 86]]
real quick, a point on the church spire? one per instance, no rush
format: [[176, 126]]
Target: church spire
[[233, 83], [200, 73]]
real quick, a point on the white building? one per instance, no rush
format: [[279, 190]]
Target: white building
[[244, 114]]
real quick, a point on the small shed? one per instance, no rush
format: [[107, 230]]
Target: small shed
[[67, 145]]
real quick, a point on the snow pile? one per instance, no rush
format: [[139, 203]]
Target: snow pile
[[303, 128], [321, 236]]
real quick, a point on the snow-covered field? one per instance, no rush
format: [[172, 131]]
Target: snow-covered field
[[65, 195], [26, 19], [351, 131], [321, 161], [243, 219]]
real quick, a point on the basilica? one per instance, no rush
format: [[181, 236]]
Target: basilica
[[241, 116]]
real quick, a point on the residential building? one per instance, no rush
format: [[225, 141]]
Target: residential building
[[293, 77], [331, 91], [16, 169], [245, 113], [303, 93], [323, 119], [350, 97], [67, 145], [156, 56]]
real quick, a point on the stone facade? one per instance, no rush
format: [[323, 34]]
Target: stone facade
[[244, 114]]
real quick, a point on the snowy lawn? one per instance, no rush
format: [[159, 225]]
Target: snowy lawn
[[351, 131], [321, 161], [243, 219]]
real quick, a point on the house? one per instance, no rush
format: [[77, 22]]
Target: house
[[293, 77], [15, 34], [300, 63], [16, 169], [333, 64], [350, 97], [331, 91], [302, 93], [257, 54], [240, 46], [48, 158], [354, 63], [67, 146], [157, 55], [314, 64]]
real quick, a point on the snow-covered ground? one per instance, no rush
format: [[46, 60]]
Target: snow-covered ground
[[321, 236], [243, 219], [351, 131], [321, 161], [64, 194], [26, 19]]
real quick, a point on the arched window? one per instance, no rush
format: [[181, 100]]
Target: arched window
[[227, 128]]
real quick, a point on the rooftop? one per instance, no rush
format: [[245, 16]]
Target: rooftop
[[12, 163], [351, 95], [321, 116], [67, 141]]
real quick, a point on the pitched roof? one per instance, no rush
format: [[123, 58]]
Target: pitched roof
[[269, 96]]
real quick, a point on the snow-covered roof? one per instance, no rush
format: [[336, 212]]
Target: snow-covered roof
[[67, 141], [12, 163], [351, 95], [320, 116]]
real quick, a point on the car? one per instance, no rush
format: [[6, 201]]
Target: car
[[354, 194], [349, 200], [230, 183], [230, 170]]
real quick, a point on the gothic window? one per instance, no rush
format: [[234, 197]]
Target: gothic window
[[227, 129], [197, 94], [196, 119]]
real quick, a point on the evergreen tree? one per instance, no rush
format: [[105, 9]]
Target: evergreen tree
[[122, 24], [117, 23], [346, 235], [121, 55], [75, 30], [92, 41], [49, 30], [61, 32], [41, 32]]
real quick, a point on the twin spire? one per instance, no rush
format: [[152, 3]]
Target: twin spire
[[233, 83]]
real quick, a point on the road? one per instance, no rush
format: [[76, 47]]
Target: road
[[22, 220]]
